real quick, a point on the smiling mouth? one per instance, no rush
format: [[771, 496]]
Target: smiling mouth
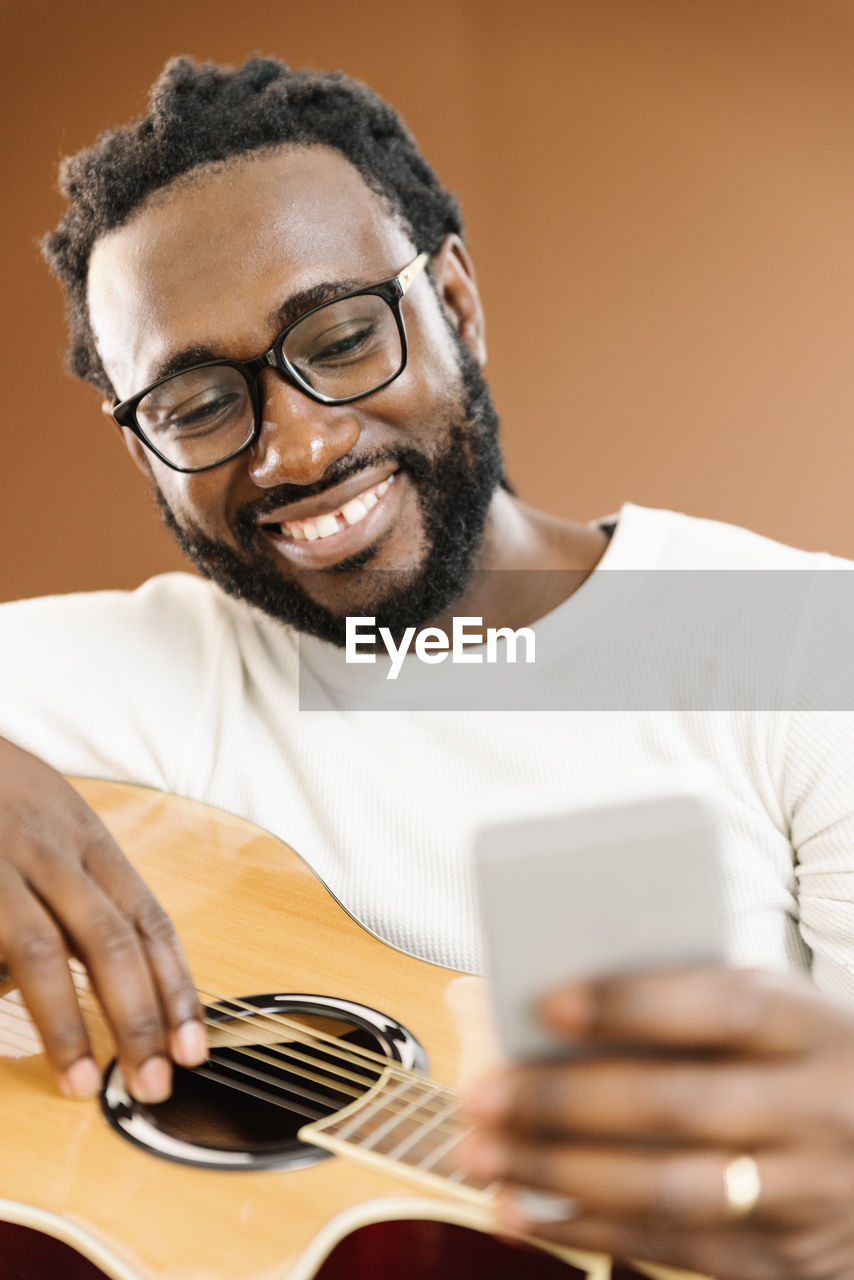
[[329, 523]]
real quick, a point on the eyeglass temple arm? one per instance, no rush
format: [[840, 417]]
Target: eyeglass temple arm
[[408, 274]]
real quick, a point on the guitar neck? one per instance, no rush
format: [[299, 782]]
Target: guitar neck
[[408, 1125]]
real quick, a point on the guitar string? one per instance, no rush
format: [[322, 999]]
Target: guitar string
[[311, 1041], [242, 1011], [397, 1108], [389, 1068], [331, 1046], [410, 1142], [253, 1091], [380, 1113], [385, 1114], [386, 1117], [406, 1109], [438, 1115], [246, 1012], [355, 1054], [25, 1036]]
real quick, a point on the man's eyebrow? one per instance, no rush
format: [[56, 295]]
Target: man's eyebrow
[[296, 305], [186, 359]]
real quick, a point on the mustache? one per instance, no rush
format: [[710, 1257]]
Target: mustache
[[248, 518]]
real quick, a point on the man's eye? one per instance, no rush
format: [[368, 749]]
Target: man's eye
[[338, 347], [202, 413]]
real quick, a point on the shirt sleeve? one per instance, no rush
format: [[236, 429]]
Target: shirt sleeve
[[818, 780], [110, 684]]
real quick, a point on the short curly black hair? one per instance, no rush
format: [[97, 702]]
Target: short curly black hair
[[202, 113]]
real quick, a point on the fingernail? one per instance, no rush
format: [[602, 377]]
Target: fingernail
[[488, 1099], [81, 1080], [189, 1044], [542, 1207], [152, 1082]]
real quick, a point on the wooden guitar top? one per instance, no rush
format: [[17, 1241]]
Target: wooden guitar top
[[253, 919]]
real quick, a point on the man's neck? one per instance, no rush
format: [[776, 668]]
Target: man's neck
[[530, 563]]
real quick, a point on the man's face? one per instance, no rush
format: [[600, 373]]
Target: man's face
[[213, 267]]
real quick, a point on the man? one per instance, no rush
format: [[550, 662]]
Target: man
[[268, 287]]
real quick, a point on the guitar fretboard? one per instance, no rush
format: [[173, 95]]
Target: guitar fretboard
[[407, 1124]]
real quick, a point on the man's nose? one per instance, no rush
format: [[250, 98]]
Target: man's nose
[[299, 438]]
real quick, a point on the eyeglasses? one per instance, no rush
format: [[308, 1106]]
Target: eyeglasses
[[338, 352]]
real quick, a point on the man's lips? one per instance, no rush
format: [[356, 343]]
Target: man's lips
[[363, 514], [361, 487], [343, 517]]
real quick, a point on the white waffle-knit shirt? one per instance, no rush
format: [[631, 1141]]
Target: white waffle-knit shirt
[[178, 686]]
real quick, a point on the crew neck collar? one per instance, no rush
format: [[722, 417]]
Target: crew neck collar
[[635, 543]]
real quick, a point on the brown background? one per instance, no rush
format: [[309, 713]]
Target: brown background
[[660, 201]]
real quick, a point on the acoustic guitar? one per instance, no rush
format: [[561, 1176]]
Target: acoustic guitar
[[316, 1142]]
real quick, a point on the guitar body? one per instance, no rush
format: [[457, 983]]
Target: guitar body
[[79, 1201]]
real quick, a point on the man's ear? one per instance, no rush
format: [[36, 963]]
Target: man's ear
[[131, 442], [453, 273]]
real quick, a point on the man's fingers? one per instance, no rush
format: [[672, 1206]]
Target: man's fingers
[[112, 953], [684, 1190], [35, 954], [185, 1031], [66, 885], [127, 944], [733, 1104], [726, 1010], [164, 956], [665, 1188]]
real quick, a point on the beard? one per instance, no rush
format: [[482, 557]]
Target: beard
[[454, 485]]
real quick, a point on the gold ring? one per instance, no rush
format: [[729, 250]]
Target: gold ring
[[742, 1187]]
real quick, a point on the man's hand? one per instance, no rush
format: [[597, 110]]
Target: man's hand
[[66, 887], [746, 1063]]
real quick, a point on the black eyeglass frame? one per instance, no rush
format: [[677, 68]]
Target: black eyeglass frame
[[393, 290]]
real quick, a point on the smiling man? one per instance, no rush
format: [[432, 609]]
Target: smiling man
[[269, 289], [401, 483]]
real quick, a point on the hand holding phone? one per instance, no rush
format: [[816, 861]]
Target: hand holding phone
[[625, 878]]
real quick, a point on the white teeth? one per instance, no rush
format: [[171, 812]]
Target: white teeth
[[354, 510], [326, 525], [332, 522]]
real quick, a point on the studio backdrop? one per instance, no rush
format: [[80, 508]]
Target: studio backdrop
[[659, 200]]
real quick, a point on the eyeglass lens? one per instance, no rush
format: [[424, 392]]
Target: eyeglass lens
[[348, 347]]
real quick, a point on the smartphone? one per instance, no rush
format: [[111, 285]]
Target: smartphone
[[621, 879]]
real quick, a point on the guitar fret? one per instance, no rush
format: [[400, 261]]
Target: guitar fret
[[389, 1125], [442, 1150], [423, 1131], [365, 1112], [397, 1118]]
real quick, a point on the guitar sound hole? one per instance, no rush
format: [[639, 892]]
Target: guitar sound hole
[[240, 1102], [263, 1081]]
